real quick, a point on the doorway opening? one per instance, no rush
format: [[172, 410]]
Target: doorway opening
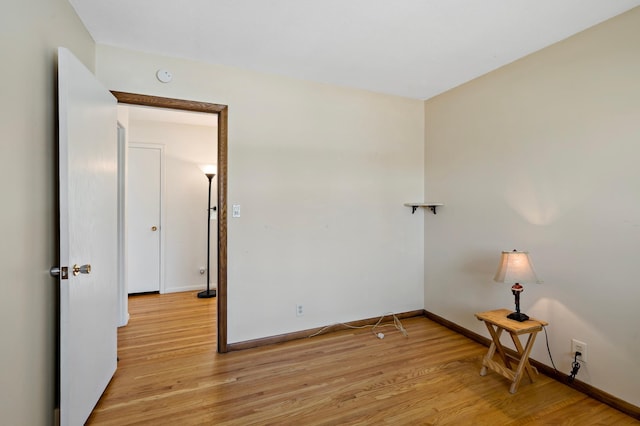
[[221, 189]]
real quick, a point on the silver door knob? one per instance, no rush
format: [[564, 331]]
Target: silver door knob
[[154, 228], [84, 269]]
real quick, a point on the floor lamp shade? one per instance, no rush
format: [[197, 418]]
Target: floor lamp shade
[[209, 169]]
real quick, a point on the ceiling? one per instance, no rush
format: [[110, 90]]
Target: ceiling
[[411, 48]]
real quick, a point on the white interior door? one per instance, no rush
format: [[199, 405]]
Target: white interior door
[[88, 236], [143, 218]]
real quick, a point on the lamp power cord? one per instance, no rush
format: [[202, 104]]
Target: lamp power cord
[[546, 336], [575, 366], [396, 324]]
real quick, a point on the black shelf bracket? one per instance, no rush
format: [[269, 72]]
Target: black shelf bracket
[[432, 206]]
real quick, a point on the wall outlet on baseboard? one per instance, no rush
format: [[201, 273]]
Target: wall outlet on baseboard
[[299, 310], [578, 346]]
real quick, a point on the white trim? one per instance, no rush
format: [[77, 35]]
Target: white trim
[[197, 287], [123, 300]]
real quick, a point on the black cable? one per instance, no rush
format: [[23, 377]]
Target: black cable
[[546, 336], [575, 367]]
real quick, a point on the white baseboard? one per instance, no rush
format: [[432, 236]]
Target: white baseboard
[[188, 288]]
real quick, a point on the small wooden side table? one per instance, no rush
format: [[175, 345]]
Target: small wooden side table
[[496, 322]]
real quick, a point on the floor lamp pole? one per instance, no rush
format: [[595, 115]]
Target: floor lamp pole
[[208, 293]]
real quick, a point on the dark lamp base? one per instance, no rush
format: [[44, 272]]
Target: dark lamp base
[[518, 316], [207, 294]]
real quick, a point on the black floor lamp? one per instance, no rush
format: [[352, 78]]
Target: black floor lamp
[[209, 172]]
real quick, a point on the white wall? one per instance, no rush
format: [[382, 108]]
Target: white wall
[[542, 155], [321, 173], [29, 35], [185, 200]]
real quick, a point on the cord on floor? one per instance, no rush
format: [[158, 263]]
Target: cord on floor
[[396, 323]]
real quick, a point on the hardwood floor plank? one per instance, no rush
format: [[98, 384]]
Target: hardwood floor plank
[[170, 374]]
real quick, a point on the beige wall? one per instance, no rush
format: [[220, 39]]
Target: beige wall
[[29, 34], [321, 174], [542, 155]]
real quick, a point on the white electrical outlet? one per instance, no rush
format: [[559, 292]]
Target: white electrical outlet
[[235, 210], [578, 346], [299, 310]]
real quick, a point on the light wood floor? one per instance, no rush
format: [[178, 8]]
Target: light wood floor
[[169, 373]]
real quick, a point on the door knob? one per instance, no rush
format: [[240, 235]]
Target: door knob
[[154, 228], [84, 269]]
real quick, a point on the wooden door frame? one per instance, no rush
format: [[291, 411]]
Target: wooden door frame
[[222, 112]]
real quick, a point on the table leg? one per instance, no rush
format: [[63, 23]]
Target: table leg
[[524, 361], [528, 368], [495, 336], [488, 356]]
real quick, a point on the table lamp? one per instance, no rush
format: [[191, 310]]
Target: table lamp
[[516, 268]]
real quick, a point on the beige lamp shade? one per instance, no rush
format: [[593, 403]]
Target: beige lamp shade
[[516, 267]]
